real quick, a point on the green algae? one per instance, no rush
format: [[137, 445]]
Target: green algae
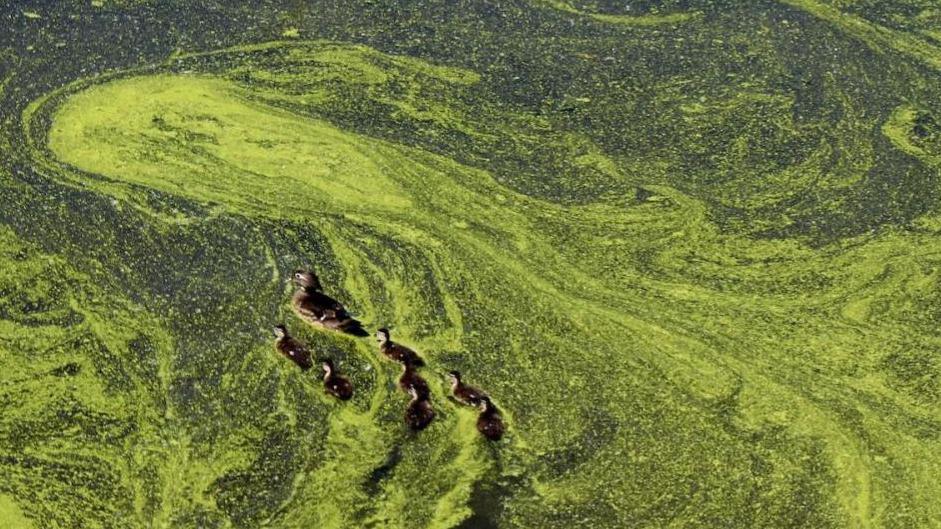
[[331, 168], [703, 289], [647, 328], [12, 515], [78, 381], [879, 37]]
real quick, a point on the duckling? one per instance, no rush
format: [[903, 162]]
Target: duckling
[[397, 352], [317, 308], [291, 348], [468, 395], [411, 380], [490, 423], [419, 413], [335, 384]]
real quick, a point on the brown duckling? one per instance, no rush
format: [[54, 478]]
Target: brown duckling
[[411, 380], [468, 395], [291, 348], [397, 352], [335, 384], [490, 423], [317, 308], [419, 413]]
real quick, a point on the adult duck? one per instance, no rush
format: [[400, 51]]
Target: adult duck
[[317, 308]]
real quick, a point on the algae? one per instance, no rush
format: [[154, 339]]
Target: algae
[[694, 259]]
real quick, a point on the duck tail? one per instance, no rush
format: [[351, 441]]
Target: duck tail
[[416, 361], [354, 328]]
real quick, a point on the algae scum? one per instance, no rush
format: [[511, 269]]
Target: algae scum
[[692, 249]]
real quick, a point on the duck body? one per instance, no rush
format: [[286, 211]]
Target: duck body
[[292, 348], [317, 308], [419, 413], [335, 384], [400, 353], [411, 381], [312, 304], [397, 352], [490, 422], [464, 393]]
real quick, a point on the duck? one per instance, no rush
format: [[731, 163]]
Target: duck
[[397, 352], [490, 422], [291, 348], [411, 380], [419, 413], [335, 384], [317, 308], [465, 394]]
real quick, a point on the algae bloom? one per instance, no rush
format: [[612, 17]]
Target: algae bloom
[[689, 248]]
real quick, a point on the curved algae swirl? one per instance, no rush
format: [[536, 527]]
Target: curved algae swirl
[[620, 18], [653, 368]]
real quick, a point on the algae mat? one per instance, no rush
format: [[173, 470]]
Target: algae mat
[[704, 292]]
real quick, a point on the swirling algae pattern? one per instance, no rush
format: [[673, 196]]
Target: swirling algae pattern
[[735, 328]]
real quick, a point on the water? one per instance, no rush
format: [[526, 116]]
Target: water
[[689, 248]]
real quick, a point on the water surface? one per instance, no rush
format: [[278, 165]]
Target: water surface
[[690, 248]]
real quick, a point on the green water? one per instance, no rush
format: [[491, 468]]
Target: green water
[[690, 248]]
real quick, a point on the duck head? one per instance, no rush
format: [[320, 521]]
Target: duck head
[[383, 336], [454, 377], [327, 366], [306, 279], [280, 331]]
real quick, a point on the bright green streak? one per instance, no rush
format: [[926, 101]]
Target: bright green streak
[[625, 20], [190, 124], [11, 515]]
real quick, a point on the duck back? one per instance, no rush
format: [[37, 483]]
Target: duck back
[[410, 379], [402, 354], [320, 309], [419, 414], [469, 395], [491, 426], [296, 352], [339, 387]]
